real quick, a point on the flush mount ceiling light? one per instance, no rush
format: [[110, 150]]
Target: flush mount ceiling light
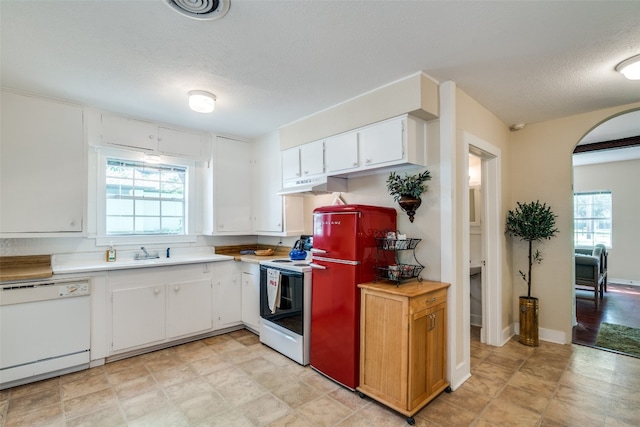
[[200, 9], [630, 68], [201, 101]]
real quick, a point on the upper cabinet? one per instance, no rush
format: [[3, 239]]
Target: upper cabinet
[[134, 134], [390, 144], [273, 214], [303, 161], [232, 179], [42, 166], [375, 148]]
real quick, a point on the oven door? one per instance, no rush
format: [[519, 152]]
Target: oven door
[[289, 312]]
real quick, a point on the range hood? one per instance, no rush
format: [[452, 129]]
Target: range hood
[[314, 185]]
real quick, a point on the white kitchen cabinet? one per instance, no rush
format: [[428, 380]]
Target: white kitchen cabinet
[[189, 308], [380, 147], [303, 161], [181, 143], [42, 166], [232, 187], [124, 132], [227, 295], [251, 296], [156, 305], [273, 214], [137, 317], [382, 143], [341, 153]]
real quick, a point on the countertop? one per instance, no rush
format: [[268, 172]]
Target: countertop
[[84, 263], [279, 252], [14, 268], [409, 289]]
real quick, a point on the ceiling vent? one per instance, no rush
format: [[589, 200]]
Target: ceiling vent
[[205, 10]]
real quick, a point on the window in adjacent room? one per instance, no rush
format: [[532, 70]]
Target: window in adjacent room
[[144, 198], [592, 218]]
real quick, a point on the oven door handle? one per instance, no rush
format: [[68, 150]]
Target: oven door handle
[[317, 266]]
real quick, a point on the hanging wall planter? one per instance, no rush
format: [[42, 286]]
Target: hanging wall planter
[[407, 190]]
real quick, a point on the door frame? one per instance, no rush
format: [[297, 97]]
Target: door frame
[[491, 241]]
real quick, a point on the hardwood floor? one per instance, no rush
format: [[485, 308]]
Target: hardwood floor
[[620, 305]]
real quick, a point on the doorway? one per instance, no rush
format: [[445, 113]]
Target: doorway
[[488, 225]]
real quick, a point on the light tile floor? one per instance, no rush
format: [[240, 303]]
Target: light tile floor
[[233, 380]]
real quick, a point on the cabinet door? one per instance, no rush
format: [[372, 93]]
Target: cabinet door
[[251, 297], [267, 181], [312, 158], [189, 308], [227, 298], [138, 317], [291, 164], [341, 153], [383, 347], [427, 354], [382, 143], [42, 166], [233, 195], [129, 133], [176, 142]]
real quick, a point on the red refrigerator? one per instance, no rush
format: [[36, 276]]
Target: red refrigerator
[[344, 254]]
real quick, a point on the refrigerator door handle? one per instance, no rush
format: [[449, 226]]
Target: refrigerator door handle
[[338, 261], [317, 266], [318, 251]]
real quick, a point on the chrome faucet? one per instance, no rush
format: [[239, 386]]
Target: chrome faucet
[[147, 255]]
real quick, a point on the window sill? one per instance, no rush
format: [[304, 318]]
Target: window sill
[[145, 240]]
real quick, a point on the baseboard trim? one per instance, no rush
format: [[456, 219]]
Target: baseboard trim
[[544, 334]]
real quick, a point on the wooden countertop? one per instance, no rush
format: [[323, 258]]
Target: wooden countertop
[[14, 268], [234, 251], [408, 289]]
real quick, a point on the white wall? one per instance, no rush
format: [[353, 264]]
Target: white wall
[[622, 179]]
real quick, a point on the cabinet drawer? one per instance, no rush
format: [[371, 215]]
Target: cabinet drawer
[[427, 300]]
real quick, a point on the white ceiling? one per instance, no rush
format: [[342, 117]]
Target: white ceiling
[[273, 62]]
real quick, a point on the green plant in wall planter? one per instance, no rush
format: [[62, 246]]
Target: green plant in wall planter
[[407, 190], [531, 222]]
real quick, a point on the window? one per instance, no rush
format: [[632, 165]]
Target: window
[[144, 198], [592, 218]]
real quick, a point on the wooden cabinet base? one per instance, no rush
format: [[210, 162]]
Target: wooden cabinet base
[[362, 391], [403, 336]]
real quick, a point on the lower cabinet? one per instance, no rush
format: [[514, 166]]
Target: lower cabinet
[[227, 295], [189, 308], [155, 305], [137, 317], [251, 296], [403, 334]]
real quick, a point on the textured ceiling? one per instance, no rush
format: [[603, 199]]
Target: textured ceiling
[[273, 62]]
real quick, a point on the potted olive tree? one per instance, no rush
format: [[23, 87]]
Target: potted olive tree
[[407, 190], [531, 222]]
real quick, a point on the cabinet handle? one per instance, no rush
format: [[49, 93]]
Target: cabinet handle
[[156, 291], [432, 322], [177, 288], [150, 136], [368, 161], [355, 163], [306, 172], [431, 300]]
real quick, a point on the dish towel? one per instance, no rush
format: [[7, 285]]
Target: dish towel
[[273, 289]]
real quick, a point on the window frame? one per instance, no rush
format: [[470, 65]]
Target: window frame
[[103, 239], [593, 219]]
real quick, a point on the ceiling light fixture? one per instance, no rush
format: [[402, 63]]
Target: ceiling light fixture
[[630, 68], [201, 101], [517, 126]]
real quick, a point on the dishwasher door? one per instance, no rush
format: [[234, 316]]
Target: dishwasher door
[[44, 331]]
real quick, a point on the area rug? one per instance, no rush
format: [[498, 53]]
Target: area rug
[[619, 338]]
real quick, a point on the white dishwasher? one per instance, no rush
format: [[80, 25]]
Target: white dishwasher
[[44, 330]]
